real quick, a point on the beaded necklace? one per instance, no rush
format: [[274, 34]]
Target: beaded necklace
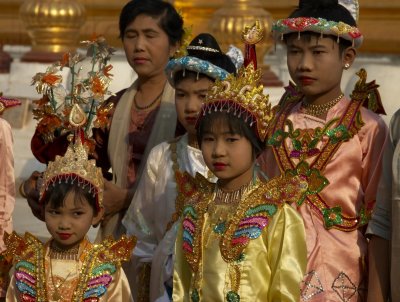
[[320, 109], [138, 107]]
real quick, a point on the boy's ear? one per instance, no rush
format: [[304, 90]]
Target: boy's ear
[[348, 57], [98, 217]]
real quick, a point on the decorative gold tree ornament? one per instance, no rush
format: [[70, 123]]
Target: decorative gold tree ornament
[[53, 26], [227, 25]]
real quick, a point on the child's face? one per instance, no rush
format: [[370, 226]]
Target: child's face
[[229, 156], [69, 224], [189, 96], [315, 64]]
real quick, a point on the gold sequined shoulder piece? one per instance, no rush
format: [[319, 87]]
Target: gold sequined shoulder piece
[[21, 247], [116, 251], [191, 187], [284, 188]]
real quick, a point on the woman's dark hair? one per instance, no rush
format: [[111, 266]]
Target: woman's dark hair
[[169, 19], [56, 194], [235, 125], [216, 57]]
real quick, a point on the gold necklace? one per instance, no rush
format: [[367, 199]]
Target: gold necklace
[[320, 109], [138, 107], [56, 295], [60, 254], [222, 197]]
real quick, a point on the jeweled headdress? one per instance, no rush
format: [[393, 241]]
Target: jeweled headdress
[[203, 56], [242, 95], [326, 17], [75, 167]]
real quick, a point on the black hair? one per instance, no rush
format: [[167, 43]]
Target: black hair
[[169, 19], [236, 125], [328, 9], [216, 57], [55, 195], [188, 74]]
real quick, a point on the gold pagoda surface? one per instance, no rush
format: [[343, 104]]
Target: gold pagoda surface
[[379, 20]]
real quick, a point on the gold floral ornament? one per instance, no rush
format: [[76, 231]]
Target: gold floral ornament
[[253, 34], [243, 96], [65, 107]]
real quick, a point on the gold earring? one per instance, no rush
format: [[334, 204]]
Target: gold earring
[[346, 66]]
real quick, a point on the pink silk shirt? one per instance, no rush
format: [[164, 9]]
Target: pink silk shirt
[[336, 268], [7, 181]]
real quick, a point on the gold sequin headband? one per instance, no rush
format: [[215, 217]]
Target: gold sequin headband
[[75, 167]]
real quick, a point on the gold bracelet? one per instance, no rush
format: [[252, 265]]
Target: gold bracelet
[[21, 190]]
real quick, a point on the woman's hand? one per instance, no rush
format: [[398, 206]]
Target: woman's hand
[[115, 199], [30, 191]]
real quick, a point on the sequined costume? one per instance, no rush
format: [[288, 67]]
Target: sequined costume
[[95, 275], [253, 250], [342, 158]]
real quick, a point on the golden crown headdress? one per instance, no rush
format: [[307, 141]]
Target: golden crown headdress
[[75, 167], [242, 95]]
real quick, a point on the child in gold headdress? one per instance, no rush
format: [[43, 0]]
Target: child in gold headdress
[[238, 240], [68, 267]]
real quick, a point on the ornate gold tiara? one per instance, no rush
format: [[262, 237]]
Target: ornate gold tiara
[[75, 167], [243, 96]]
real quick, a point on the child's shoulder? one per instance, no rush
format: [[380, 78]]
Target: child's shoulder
[[372, 123]]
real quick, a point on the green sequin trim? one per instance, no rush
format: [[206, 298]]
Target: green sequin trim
[[277, 138], [316, 181], [195, 296], [232, 296], [106, 267], [338, 134], [332, 217], [220, 228], [270, 209], [189, 210], [241, 258], [26, 265]]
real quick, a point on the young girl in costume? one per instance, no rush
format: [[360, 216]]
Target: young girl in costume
[[7, 188], [155, 206], [68, 267], [238, 239], [332, 140]]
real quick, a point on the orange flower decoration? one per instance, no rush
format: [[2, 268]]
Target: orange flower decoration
[[51, 79], [98, 86], [106, 71], [65, 60]]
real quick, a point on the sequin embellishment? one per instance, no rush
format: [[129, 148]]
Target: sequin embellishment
[[312, 286], [344, 287]]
